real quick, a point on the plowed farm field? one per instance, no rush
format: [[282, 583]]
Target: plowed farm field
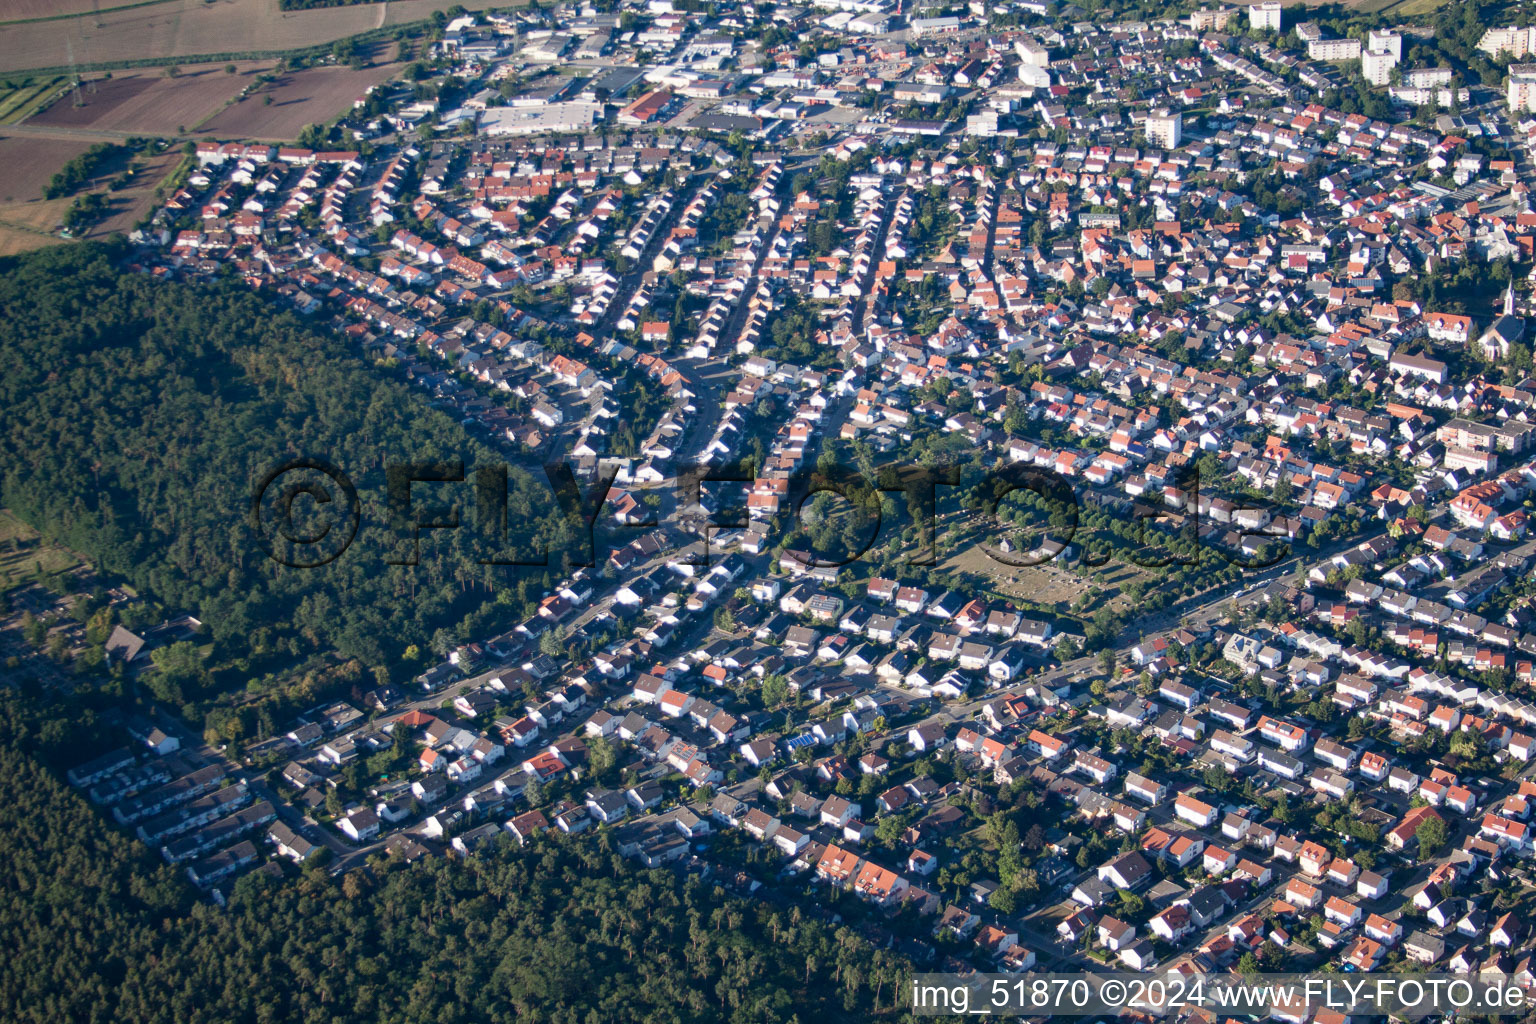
[[185, 29], [29, 162], [148, 102], [299, 98]]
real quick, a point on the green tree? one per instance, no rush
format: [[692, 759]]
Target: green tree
[[601, 756], [775, 690], [1431, 835]]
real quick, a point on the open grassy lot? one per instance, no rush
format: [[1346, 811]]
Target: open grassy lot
[[189, 28], [963, 550], [1047, 584], [311, 96], [22, 551], [1409, 8], [16, 239], [31, 225], [147, 101]]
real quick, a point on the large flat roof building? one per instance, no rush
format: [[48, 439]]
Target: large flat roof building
[[575, 116]]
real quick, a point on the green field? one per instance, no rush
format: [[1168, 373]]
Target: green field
[[1401, 8], [22, 551], [20, 100]]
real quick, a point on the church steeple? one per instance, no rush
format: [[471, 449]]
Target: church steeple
[[1509, 299]]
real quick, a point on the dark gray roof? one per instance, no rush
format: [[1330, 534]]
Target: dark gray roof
[[124, 644]]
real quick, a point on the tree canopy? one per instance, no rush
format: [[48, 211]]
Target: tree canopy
[[139, 416]]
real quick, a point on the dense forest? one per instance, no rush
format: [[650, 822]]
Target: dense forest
[[139, 417], [564, 930]]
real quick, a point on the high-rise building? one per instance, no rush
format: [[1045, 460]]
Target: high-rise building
[[1265, 15], [1334, 49], [1383, 41], [1376, 66], [1520, 90], [1515, 41], [1032, 53], [1208, 19], [1428, 78], [1383, 50], [1164, 129]]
